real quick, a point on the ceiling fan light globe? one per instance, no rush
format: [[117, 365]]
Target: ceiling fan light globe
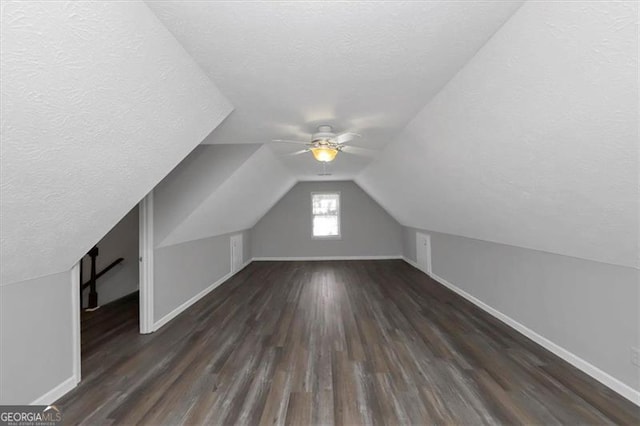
[[324, 154]]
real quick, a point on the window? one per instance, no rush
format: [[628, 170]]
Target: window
[[325, 213]]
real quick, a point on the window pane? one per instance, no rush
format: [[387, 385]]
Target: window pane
[[326, 210], [325, 226], [325, 204]]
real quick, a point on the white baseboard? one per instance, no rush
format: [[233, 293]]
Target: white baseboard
[[177, 311], [306, 258], [57, 392], [412, 263], [606, 379]]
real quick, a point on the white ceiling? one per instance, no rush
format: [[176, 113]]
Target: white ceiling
[[235, 201], [99, 103], [366, 67], [534, 143], [198, 176]]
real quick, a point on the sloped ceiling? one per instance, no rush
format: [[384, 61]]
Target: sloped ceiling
[[366, 67], [99, 103], [534, 143], [235, 202], [193, 181]]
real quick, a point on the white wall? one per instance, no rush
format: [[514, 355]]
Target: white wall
[[366, 228], [591, 309], [534, 143], [35, 337], [99, 103], [123, 279]]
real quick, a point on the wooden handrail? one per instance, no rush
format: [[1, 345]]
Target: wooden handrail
[[104, 271]]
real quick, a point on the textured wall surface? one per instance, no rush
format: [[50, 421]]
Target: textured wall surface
[[184, 270], [366, 67], [195, 179], [589, 308], [99, 103], [534, 143], [366, 229], [243, 198], [35, 337]]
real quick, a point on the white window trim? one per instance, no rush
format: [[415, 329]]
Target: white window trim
[[328, 237]]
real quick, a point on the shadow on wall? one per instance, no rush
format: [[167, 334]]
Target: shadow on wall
[[123, 279]]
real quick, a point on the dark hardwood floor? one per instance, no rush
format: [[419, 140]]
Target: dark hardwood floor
[[101, 327], [350, 342]]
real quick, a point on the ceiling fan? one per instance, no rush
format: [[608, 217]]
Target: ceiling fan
[[325, 144]]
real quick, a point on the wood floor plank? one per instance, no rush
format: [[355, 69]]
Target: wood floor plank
[[335, 342]]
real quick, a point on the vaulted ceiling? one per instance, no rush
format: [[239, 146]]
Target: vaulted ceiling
[[492, 120], [235, 197], [534, 143], [365, 67], [99, 103]]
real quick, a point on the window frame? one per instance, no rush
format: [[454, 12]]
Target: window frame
[[327, 237]]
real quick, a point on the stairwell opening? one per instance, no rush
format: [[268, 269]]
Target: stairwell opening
[[109, 302]]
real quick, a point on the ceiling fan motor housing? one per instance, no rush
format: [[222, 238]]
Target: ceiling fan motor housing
[[324, 133]]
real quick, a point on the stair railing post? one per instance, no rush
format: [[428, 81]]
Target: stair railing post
[[81, 280], [93, 294]]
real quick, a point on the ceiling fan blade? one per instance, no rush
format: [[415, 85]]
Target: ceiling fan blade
[[288, 141], [356, 150], [302, 151], [346, 137]]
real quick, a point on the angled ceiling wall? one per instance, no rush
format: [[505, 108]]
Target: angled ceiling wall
[[518, 148], [99, 103], [360, 66], [237, 198], [193, 181]]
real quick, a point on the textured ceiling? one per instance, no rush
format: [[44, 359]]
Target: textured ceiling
[[366, 67], [235, 201], [99, 103], [534, 143], [192, 182]]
